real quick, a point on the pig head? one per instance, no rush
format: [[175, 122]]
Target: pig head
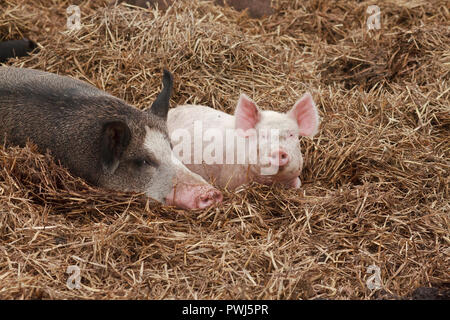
[[189, 190], [277, 138]]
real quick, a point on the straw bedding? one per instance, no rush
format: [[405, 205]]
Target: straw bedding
[[375, 183]]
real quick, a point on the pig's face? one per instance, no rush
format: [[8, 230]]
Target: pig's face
[[136, 153], [140, 156], [279, 156]]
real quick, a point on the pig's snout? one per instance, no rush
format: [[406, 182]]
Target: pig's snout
[[279, 158], [209, 198], [194, 197]]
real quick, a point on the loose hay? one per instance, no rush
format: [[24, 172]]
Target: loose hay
[[375, 186]]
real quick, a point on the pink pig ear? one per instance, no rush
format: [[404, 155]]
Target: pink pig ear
[[246, 114], [306, 115]]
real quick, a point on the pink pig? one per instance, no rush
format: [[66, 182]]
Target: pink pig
[[200, 132]]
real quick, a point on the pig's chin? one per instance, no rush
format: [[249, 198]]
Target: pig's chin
[[284, 178], [292, 182]]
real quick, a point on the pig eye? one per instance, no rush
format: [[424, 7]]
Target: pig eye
[[141, 163]]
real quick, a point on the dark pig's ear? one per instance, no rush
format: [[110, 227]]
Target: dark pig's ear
[[116, 136], [160, 107]]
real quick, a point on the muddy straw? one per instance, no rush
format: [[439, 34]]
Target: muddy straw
[[375, 183]]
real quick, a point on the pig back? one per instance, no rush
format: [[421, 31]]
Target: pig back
[[57, 113], [186, 116]]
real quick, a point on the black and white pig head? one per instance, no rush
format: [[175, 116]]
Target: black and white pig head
[[136, 152]]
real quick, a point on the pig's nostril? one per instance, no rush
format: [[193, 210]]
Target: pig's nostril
[[210, 198], [280, 157], [218, 197], [204, 203]]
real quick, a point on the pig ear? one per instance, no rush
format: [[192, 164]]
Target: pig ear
[[161, 105], [247, 114], [306, 115], [116, 137]]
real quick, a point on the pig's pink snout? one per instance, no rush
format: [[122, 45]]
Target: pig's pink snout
[[209, 198], [279, 158], [194, 197]]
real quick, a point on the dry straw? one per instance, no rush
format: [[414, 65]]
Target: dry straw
[[375, 186]]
